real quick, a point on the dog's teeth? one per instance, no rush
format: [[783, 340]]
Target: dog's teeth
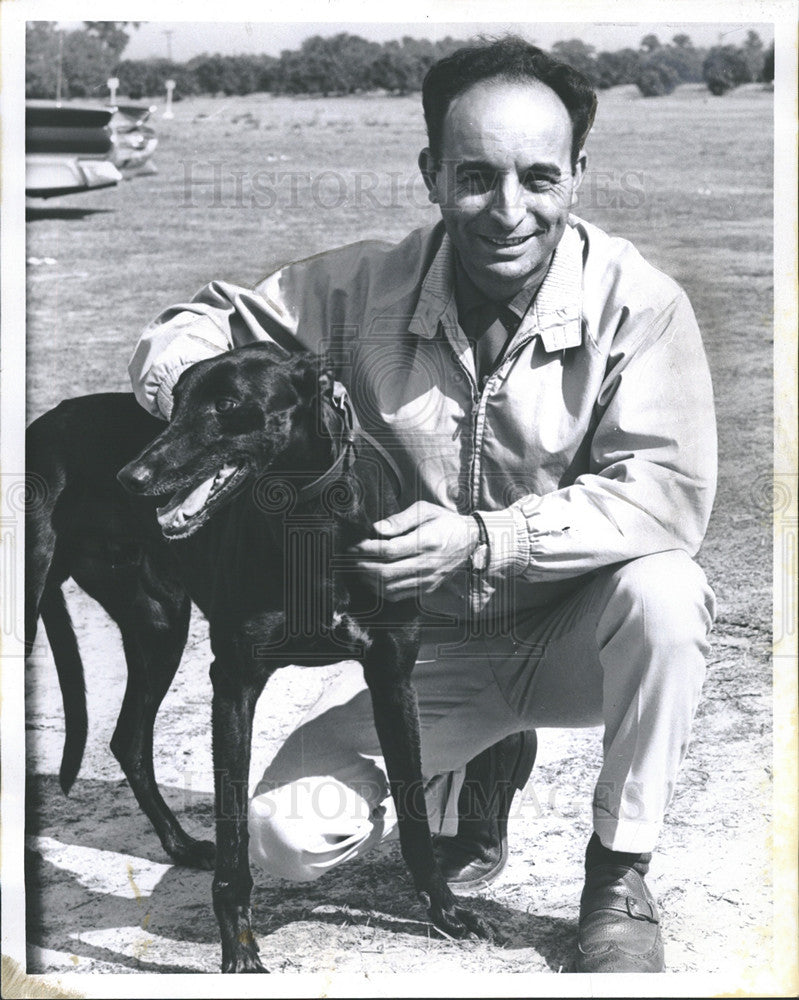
[[196, 499], [174, 517]]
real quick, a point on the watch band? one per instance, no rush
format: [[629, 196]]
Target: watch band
[[481, 557]]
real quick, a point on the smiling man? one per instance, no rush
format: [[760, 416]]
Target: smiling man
[[506, 187], [544, 392]]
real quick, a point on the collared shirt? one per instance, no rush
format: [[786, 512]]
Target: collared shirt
[[592, 441], [488, 325]]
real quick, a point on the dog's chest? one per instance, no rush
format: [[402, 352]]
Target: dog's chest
[[292, 576]]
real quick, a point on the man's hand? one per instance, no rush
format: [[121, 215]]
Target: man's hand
[[416, 550]]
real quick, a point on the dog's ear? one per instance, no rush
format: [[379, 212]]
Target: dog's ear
[[313, 378], [326, 381]]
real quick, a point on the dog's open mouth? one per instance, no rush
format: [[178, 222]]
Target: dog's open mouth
[[190, 508]]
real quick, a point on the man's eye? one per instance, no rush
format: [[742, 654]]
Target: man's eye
[[538, 182], [475, 182], [226, 404]]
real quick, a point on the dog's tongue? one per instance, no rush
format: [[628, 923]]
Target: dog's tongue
[[186, 506]]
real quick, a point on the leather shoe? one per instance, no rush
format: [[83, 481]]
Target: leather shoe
[[619, 928], [479, 851]]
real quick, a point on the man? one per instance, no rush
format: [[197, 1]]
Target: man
[[545, 393]]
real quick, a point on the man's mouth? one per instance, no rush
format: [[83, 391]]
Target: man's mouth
[[502, 242], [191, 507]]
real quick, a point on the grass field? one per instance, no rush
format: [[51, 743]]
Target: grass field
[[244, 185]]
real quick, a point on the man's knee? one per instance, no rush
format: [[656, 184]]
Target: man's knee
[[278, 845], [666, 595], [303, 829]]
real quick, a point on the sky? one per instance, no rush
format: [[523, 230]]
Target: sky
[[184, 39]]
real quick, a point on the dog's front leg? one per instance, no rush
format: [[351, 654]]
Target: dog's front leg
[[387, 668], [233, 708]]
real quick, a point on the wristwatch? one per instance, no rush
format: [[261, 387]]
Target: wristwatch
[[481, 556]]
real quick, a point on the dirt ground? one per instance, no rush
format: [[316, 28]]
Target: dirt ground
[[102, 895]]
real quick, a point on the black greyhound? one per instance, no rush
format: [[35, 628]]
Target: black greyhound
[[264, 459]]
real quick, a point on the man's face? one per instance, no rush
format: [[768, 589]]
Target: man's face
[[505, 182]]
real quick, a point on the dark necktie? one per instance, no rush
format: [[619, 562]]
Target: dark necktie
[[490, 328]]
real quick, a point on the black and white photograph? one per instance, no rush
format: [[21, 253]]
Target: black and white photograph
[[399, 499]]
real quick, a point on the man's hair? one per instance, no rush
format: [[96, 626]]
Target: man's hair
[[513, 59]]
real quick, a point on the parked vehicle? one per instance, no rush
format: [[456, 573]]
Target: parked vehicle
[[69, 149], [134, 141]]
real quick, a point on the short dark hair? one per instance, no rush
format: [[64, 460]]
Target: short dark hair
[[510, 58]]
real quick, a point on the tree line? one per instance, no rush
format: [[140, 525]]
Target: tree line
[[78, 63]]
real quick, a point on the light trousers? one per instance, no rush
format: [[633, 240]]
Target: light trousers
[[626, 648]]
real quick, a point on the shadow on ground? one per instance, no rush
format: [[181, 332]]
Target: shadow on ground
[[37, 213], [90, 882]]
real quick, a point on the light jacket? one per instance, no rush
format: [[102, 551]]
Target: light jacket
[[593, 441]]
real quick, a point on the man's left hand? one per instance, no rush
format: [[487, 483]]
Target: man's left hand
[[416, 550]]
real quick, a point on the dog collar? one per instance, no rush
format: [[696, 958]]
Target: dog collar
[[347, 447]]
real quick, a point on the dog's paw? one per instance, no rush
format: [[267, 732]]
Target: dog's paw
[[243, 957], [456, 921], [241, 964], [474, 924], [193, 853]]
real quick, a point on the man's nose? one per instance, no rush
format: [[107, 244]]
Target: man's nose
[[507, 201]]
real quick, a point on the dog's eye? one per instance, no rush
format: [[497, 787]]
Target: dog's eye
[[225, 404]]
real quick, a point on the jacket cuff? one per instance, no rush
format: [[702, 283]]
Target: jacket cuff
[[508, 541], [163, 395]]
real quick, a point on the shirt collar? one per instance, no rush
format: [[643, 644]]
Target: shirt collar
[[557, 308], [468, 296]]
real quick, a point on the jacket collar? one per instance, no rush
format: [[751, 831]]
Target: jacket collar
[[557, 310]]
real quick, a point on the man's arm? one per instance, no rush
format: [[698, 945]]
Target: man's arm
[[653, 464], [221, 316], [650, 487]]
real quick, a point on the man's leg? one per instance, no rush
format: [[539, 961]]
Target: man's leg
[[478, 852], [324, 799], [627, 649]]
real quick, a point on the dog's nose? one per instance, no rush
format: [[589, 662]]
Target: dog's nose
[[134, 477]]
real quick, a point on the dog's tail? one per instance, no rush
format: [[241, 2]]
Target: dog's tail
[[64, 644]]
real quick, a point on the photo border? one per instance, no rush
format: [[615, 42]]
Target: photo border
[[785, 980]]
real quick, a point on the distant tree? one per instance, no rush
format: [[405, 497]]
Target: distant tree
[[244, 74], [338, 65], [357, 54], [650, 42], [656, 78], [87, 57], [41, 59], [685, 61], [614, 68], [753, 54], [140, 78], [683, 41], [579, 56], [767, 72], [87, 64], [395, 69], [725, 67], [266, 72], [112, 34], [214, 73]]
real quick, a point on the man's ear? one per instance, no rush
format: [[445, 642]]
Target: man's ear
[[578, 174], [428, 168]]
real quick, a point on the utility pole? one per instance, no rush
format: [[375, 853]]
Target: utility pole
[[169, 32]]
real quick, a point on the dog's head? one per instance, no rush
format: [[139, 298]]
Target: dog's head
[[235, 416]]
